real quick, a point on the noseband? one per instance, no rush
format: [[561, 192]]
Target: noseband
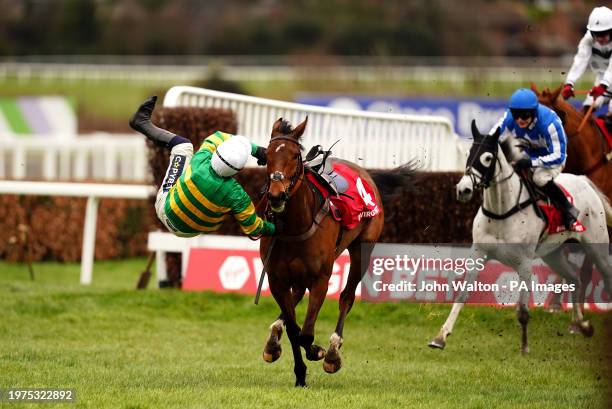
[[296, 178]]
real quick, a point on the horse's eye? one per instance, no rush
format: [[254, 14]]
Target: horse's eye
[[297, 155], [486, 159]]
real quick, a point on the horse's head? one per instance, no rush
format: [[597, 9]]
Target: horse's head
[[285, 167], [480, 165]]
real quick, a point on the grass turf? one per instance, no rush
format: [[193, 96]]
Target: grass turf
[[123, 348]]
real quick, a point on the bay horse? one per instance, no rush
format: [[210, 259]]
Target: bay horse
[[303, 255], [587, 154], [516, 235]]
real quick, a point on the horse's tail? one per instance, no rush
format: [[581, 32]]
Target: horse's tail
[[604, 201], [400, 180]]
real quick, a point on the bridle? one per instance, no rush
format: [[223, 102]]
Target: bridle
[[483, 181], [278, 177]]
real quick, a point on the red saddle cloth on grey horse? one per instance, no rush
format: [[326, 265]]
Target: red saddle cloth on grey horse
[[355, 203], [554, 216]]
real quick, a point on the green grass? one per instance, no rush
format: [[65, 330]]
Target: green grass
[[122, 348]]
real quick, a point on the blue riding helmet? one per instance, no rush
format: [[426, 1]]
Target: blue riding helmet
[[523, 99]]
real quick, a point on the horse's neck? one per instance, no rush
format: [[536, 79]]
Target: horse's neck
[[503, 192], [584, 148], [299, 209]]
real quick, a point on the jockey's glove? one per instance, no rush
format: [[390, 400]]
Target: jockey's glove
[[262, 156], [568, 91], [598, 91], [523, 163]]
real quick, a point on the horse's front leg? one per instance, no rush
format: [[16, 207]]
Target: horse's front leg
[[272, 350], [284, 298], [439, 341], [317, 296], [522, 312]]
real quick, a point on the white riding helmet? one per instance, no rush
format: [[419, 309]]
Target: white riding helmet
[[231, 156], [600, 19]]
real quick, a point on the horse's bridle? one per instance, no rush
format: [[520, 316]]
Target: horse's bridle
[[296, 178]]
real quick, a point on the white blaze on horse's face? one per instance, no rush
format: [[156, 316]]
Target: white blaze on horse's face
[[465, 188]]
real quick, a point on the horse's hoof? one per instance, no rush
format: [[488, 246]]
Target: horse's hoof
[[587, 329], [332, 367], [300, 383], [272, 352], [574, 328], [315, 353], [332, 362], [437, 343], [554, 308], [525, 350]]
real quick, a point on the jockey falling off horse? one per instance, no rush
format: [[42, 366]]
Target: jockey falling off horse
[[594, 48], [544, 140], [198, 191]]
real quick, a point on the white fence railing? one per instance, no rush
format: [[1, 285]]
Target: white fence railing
[[94, 157], [373, 140]]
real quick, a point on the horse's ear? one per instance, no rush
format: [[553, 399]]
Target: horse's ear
[[534, 89], [276, 126], [475, 132], [496, 133], [555, 94], [299, 130]]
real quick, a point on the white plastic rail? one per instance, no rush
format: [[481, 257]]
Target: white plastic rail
[[373, 140], [93, 192]]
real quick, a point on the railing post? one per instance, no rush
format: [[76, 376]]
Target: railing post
[[89, 240]]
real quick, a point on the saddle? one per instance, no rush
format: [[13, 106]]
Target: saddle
[[320, 164]]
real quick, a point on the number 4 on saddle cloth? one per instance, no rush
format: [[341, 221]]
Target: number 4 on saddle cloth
[[351, 198]]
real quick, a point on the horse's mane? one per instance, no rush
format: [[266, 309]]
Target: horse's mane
[[285, 127], [566, 111]]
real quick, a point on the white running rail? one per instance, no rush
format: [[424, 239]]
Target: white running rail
[[93, 192], [121, 157], [372, 140]]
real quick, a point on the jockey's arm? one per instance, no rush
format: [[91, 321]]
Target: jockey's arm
[[556, 142], [607, 78], [581, 59], [244, 213]]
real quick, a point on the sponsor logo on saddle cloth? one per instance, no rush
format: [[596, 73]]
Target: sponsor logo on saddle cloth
[[554, 215], [357, 202]]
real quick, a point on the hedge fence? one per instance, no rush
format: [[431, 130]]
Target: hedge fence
[[56, 223]]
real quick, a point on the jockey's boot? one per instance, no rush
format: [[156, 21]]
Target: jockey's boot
[[141, 122], [568, 211]]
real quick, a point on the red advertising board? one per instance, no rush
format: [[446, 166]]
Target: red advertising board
[[238, 270]]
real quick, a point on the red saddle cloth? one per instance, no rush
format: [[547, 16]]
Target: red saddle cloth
[[604, 130], [554, 215], [351, 206]]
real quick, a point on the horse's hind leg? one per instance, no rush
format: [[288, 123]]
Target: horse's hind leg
[[333, 359], [559, 263], [284, 298], [272, 350]]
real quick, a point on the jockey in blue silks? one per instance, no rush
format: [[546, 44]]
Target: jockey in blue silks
[[544, 140]]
